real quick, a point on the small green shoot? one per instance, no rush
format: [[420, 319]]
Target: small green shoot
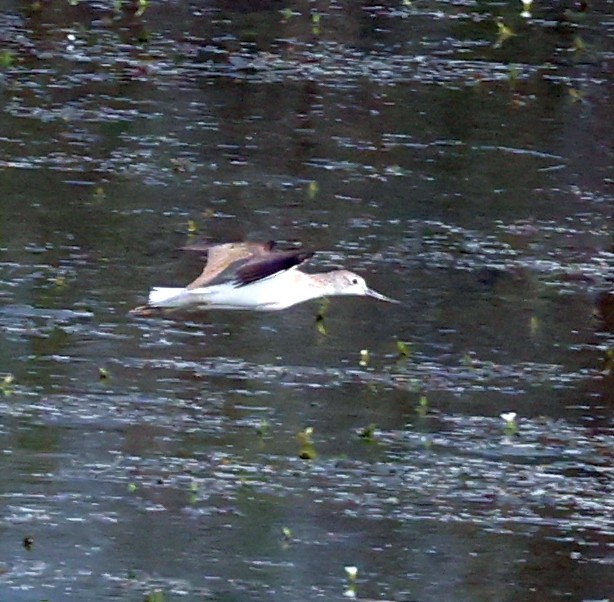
[[322, 309], [575, 95], [306, 449], [142, 7], [503, 32], [286, 13], [403, 349], [468, 361], [526, 9], [132, 487], [103, 373], [6, 58], [368, 433], [579, 45], [351, 573], [510, 425], [192, 227], [315, 23], [608, 361], [423, 406], [6, 384], [534, 326], [312, 190], [156, 595], [263, 428], [287, 534], [512, 76], [364, 358]]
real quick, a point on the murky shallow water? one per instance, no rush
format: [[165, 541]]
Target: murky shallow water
[[466, 173]]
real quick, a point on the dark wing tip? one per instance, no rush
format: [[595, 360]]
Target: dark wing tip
[[257, 269]]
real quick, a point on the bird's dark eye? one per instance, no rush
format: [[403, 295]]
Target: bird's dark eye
[[354, 280]]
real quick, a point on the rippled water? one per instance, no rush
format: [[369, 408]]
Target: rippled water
[[462, 167]]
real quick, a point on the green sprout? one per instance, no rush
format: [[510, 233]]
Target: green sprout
[[322, 309], [156, 595], [286, 13], [403, 349], [306, 449], [192, 227], [510, 425], [368, 432], [263, 428], [503, 32], [351, 572], [312, 190], [315, 23], [423, 405], [364, 357], [6, 58], [142, 7], [6, 384]]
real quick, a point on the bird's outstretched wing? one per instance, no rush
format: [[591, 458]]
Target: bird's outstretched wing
[[243, 262]]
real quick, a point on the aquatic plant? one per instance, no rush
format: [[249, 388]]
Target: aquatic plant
[[315, 23], [6, 59], [423, 406], [156, 595], [368, 433], [403, 349], [503, 32], [6, 384], [351, 572], [263, 428], [312, 190], [510, 425], [322, 309], [192, 227], [306, 450], [364, 357]]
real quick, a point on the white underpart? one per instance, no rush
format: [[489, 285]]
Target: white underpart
[[273, 293]]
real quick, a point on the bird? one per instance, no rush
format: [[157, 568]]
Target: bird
[[254, 276]]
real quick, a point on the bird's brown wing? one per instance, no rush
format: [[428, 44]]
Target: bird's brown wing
[[262, 267], [226, 259]]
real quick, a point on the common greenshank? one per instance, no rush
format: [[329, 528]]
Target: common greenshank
[[255, 276]]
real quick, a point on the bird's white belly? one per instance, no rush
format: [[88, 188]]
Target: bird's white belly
[[274, 293]]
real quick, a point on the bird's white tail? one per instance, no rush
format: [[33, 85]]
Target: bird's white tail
[[162, 296]]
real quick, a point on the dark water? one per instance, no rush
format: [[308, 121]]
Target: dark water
[[461, 170]]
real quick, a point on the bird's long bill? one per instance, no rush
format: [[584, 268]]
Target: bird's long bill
[[376, 295]]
